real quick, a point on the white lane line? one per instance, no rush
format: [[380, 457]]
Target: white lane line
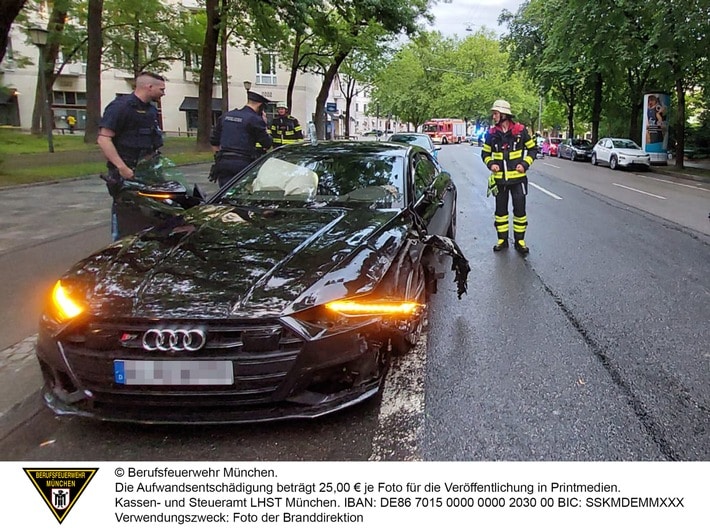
[[553, 166], [637, 190], [551, 194]]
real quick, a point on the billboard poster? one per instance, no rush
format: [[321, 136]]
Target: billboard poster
[[655, 126]]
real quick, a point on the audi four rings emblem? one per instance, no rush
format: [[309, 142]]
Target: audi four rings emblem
[[174, 339]]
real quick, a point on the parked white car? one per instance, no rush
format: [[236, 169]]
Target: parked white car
[[619, 153]]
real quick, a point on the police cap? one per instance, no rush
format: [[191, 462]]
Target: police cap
[[256, 97]]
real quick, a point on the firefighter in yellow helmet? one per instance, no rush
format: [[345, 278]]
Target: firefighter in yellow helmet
[[508, 151], [284, 128]]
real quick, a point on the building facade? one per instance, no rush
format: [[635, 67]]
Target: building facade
[[178, 108]]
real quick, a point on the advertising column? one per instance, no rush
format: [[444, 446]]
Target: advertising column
[[655, 126]]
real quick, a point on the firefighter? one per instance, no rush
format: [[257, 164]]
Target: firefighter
[[508, 151], [284, 128]]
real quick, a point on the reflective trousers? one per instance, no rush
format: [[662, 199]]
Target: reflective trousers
[[517, 192]]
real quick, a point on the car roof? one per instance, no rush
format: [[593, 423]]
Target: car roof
[[365, 147]]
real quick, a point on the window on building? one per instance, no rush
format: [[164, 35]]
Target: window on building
[[69, 98], [266, 68]]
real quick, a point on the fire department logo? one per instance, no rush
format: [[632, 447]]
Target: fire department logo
[[60, 488]]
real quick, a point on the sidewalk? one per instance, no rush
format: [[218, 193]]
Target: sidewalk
[[670, 169]]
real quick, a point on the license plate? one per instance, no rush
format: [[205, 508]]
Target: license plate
[[173, 372]]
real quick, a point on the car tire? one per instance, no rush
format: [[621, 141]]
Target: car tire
[[415, 288], [593, 160], [614, 163], [573, 157]]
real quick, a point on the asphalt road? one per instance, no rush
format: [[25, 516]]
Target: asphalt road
[[594, 347]]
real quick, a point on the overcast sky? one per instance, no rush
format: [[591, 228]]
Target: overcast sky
[[454, 18]]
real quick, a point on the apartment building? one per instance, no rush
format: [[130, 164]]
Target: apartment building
[[258, 69]]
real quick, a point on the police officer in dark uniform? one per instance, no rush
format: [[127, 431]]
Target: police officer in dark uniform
[[129, 132], [236, 136]]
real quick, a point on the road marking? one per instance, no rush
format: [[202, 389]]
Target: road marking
[[551, 194], [553, 166], [637, 190]]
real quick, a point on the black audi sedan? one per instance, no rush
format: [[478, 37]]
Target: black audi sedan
[[285, 295]]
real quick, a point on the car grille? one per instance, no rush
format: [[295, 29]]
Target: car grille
[[262, 354]]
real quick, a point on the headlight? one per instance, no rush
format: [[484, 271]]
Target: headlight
[[352, 307], [64, 305]]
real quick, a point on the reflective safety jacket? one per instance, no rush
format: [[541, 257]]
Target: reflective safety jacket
[[507, 150], [285, 130]]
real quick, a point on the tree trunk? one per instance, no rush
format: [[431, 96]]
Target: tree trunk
[[55, 27], [8, 13], [294, 72], [93, 70], [570, 113], [324, 91], [597, 106], [680, 125], [209, 59], [223, 66]]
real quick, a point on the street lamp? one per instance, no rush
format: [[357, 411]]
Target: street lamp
[[247, 85], [38, 36]]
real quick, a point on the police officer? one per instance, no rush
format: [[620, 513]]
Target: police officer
[[508, 151], [235, 137], [129, 132], [285, 128]]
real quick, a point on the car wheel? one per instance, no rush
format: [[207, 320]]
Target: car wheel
[[414, 288], [573, 157], [416, 291], [444, 140], [593, 160], [613, 163]]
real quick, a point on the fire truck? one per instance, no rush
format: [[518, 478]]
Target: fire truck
[[445, 130]]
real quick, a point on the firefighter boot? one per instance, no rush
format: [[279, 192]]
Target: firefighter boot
[[521, 247], [502, 242]]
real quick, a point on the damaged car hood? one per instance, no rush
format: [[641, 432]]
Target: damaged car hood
[[220, 261]]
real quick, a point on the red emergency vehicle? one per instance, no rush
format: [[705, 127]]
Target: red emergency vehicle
[[445, 130]]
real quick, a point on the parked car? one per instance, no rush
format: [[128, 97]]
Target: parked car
[[373, 133], [282, 296], [418, 139], [549, 146], [619, 152], [575, 149]]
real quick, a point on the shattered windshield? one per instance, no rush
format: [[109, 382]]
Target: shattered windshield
[[328, 178]]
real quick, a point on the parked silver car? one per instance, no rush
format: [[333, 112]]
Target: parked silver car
[[575, 149], [617, 152]]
